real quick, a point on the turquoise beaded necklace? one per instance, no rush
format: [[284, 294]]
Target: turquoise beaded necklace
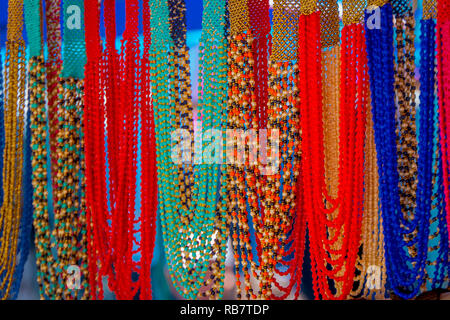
[[196, 234]]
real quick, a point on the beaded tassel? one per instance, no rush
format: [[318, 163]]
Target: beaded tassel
[[11, 210]]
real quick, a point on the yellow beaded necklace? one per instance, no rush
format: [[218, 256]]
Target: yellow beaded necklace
[[10, 213]]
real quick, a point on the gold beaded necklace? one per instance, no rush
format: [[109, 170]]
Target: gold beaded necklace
[[10, 213]]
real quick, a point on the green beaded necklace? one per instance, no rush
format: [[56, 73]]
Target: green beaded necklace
[[195, 235]]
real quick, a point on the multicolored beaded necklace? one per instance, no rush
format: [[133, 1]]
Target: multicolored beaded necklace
[[282, 117], [189, 232]]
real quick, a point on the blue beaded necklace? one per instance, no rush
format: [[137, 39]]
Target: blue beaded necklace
[[406, 238], [430, 191]]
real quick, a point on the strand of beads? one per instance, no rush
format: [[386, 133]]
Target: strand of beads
[[282, 115], [74, 55], [335, 236], [148, 165], [66, 209], [329, 21], [110, 67], [443, 43], [189, 242], [370, 277], [403, 269], [242, 122], [53, 70], [96, 205], [405, 92], [69, 225], [259, 19], [430, 188], [11, 210], [38, 118]]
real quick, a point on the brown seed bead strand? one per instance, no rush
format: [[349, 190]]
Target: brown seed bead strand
[[330, 75], [405, 87], [372, 240]]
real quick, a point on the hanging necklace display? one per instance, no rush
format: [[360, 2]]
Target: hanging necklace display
[[116, 232], [334, 229], [370, 278], [188, 233], [443, 43], [431, 189], [14, 107]]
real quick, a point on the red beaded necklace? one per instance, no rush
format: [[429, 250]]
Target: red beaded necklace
[[334, 231], [119, 95]]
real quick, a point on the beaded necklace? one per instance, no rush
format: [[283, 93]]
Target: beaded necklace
[[242, 110], [113, 235], [370, 278], [96, 202], [38, 119], [405, 88], [406, 236], [282, 117], [329, 22], [188, 232], [70, 210], [334, 229], [14, 105], [53, 71], [430, 187], [68, 235], [443, 42]]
